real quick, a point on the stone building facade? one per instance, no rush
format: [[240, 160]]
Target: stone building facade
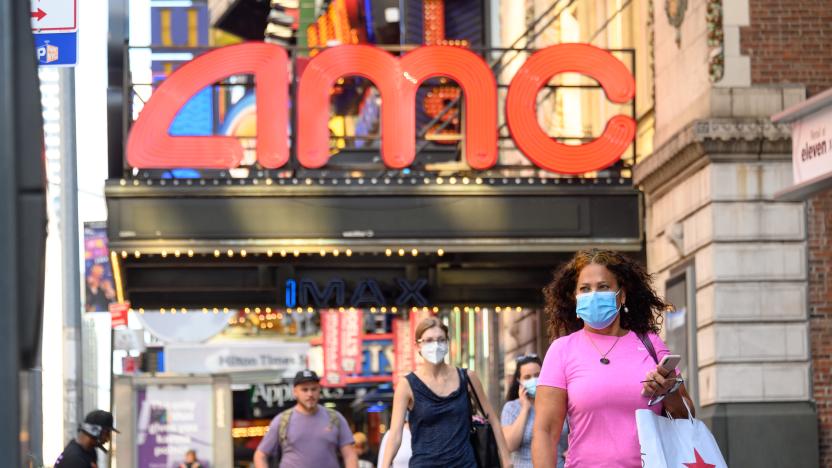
[[756, 269]]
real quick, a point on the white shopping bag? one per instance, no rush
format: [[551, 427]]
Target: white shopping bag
[[676, 443]]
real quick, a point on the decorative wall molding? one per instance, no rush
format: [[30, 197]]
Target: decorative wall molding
[[716, 39], [651, 50], [712, 140], [675, 11]]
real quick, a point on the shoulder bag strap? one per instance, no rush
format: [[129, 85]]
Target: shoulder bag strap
[[334, 422], [649, 345], [463, 375], [473, 391], [283, 427]]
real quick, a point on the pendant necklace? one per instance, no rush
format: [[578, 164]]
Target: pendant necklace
[[603, 359]]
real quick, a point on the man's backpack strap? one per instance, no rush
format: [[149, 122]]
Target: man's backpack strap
[[283, 426], [334, 421]]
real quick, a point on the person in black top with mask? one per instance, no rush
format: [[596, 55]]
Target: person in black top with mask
[[94, 432]]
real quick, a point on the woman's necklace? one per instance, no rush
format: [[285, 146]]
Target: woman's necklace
[[603, 359]]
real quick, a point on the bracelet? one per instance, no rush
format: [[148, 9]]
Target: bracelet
[[676, 386], [658, 398]]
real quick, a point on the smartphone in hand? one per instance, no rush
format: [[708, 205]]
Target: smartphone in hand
[[670, 362]]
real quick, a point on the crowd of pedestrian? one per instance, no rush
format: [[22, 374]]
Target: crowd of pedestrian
[[574, 408]]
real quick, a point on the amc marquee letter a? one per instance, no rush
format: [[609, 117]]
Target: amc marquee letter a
[[150, 146], [397, 81]]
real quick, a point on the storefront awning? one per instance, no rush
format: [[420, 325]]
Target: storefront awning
[[194, 244], [509, 215]]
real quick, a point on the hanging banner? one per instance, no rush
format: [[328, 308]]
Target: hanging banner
[[416, 316], [351, 337], [404, 342], [99, 291], [404, 348], [118, 314], [330, 324]]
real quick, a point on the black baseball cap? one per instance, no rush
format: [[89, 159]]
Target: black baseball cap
[[306, 376], [101, 418]]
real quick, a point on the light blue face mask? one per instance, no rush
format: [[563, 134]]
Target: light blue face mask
[[531, 386], [597, 309]]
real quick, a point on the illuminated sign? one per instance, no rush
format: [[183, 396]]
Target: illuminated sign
[[350, 355], [367, 293], [149, 144]]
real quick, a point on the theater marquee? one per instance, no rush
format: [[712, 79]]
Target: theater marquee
[[150, 146]]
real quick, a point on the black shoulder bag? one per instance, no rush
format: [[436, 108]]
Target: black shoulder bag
[[482, 434]]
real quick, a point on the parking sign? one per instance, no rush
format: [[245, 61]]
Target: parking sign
[[57, 49]]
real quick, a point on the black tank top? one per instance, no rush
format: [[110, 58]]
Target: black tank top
[[440, 427]]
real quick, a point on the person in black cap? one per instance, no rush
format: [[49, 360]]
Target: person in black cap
[[94, 432], [307, 435]]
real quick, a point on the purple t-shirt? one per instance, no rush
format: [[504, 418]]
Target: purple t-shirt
[[310, 440]]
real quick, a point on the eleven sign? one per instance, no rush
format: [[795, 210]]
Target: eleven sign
[[150, 146]]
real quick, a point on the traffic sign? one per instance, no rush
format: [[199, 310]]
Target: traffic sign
[[57, 49], [54, 15]]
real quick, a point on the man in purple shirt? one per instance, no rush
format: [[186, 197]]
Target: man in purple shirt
[[308, 434]]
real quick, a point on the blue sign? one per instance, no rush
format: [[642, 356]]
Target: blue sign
[[57, 49], [378, 358]]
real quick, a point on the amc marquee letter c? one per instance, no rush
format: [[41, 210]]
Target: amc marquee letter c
[[150, 146], [521, 115]]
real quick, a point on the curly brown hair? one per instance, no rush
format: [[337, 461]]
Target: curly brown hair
[[645, 307]]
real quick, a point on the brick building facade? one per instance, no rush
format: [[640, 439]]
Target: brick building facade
[[786, 41], [759, 309], [820, 310]]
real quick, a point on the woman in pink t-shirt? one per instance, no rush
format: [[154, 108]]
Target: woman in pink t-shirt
[[599, 372]]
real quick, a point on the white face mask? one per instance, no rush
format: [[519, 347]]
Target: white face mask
[[434, 352]]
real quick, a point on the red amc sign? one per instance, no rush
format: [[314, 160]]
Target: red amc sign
[[150, 146]]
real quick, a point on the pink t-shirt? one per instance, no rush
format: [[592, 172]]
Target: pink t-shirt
[[602, 399]]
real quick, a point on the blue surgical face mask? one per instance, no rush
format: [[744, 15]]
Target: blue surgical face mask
[[597, 309], [531, 386]]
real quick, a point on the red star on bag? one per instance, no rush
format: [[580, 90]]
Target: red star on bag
[[700, 463]]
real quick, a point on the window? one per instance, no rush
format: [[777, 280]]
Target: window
[[680, 326]]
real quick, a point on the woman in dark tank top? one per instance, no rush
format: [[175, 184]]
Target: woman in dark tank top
[[440, 418]]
